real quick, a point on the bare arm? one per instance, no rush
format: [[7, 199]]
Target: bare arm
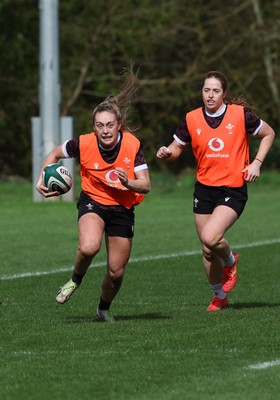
[[141, 183], [266, 134], [172, 152], [54, 156]]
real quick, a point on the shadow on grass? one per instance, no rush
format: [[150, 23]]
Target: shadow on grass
[[240, 306], [146, 317]]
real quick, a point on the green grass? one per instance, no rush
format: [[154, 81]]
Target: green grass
[[164, 345]]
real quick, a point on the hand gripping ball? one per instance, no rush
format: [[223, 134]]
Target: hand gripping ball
[[56, 177]]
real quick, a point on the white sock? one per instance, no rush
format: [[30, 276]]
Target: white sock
[[218, 291], [228, 262]]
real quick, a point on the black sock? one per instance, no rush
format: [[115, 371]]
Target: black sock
[[103, 305], [77, 278]]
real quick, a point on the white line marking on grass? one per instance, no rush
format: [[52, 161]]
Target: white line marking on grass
[[137, 260], [264, 365]]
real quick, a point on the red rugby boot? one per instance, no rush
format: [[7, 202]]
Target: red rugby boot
[[217, 304], [230, 276]]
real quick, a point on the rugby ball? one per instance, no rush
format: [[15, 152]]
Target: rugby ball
[[57, 178]]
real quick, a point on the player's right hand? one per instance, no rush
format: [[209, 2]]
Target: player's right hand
[[164, 152]]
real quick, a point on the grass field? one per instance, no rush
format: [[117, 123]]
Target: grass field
[[164, 345]]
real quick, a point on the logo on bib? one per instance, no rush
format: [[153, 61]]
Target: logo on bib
[[112, 177], [216, 144]]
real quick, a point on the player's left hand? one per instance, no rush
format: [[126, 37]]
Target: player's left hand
[[122, 175], [252, 172]]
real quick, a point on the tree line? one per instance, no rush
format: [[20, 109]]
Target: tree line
[[172, 42]]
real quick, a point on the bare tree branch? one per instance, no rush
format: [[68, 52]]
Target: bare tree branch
[[267, 56], [79, 86]]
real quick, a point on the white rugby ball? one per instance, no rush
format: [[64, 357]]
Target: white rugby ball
[[57, 178]]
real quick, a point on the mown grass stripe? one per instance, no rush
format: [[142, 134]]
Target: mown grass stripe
[[137, 260], [264, 365]]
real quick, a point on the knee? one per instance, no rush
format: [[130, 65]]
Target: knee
[[88, 250], [209, 240], [116, 275], [113, 280]]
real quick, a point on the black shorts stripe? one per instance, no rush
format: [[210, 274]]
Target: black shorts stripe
[[118, 222], [206, 198]]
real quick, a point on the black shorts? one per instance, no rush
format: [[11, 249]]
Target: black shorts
[[119, 221], [206, 198]]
